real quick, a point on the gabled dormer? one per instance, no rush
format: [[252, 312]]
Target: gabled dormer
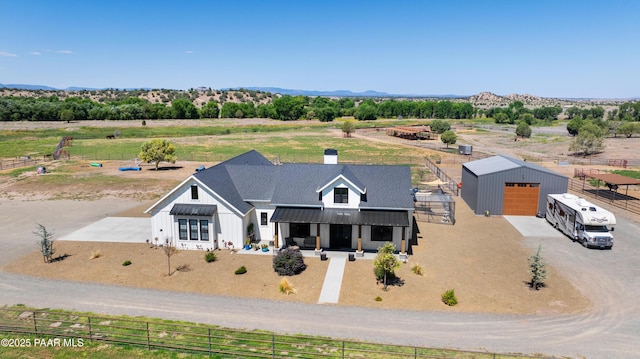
[[342, 190]]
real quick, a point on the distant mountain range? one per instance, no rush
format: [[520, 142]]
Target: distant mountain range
[[282, 91], [481, 98], [338, 93]]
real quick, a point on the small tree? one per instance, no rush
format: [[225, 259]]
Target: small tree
[[590, 139], [523, 130], [386, 262], [440, 126], [537, 270], [169, 250], [448, 138], [158, 150], [45, 243], [348, 127]]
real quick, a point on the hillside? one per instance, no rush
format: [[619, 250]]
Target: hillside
[[259, 95]]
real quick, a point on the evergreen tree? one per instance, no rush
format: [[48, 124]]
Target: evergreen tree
[[537, 270]]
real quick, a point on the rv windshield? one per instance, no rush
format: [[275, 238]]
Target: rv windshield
[[596, 229]]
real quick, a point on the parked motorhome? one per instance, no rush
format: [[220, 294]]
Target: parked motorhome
[[581, 220]]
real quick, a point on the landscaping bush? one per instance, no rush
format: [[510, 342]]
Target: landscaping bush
[[95, 254], [210, 257], [449, 298], [286, 287], [378, 299], [126, 263], [417, 269], [241, 270], [289, 262]]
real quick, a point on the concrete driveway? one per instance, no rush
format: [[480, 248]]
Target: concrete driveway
[[113, 229], [531, 226]]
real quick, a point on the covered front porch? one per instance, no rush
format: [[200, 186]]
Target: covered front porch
[[341, 229]]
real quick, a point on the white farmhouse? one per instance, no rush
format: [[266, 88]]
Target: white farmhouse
[[319, 206]]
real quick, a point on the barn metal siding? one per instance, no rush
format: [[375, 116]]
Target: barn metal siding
[[490, 190], [469, 190]]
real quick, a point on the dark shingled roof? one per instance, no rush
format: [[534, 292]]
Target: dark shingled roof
[[251, 177]]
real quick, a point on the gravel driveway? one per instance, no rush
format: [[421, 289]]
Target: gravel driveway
[[609, 278]]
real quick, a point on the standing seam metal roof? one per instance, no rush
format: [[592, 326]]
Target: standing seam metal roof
[[502, 163]]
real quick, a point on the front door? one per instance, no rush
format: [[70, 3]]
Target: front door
[[340, 236]]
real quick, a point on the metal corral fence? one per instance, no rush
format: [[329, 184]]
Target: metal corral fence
[[208, 340], [450, 184], [613, 198], [21, 162]]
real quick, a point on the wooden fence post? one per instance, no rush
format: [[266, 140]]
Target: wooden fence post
[[148, 338], [35, 324]]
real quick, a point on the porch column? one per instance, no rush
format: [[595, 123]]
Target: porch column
[[275, 237], [403, 252], [317, 236], [359, 252]]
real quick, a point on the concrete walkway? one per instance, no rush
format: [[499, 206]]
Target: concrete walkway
[[332, 281]]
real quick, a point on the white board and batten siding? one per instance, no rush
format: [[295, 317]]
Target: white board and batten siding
[[225, 225]]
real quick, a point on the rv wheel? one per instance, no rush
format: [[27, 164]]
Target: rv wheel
[[584, 243]]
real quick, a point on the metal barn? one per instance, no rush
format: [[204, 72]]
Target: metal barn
[[508, 186]]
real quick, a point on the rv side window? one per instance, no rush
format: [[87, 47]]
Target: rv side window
[[592, 209]]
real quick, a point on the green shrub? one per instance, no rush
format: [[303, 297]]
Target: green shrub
[[126, 263], [289, 262], [449, 298], [241, 270], [378, 299], [210, 257]]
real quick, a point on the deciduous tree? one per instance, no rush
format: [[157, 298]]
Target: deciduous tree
[[158, 150], [348, 127], [45, 243], [448, 138], [523, 130], [386, 262], [590, 139]]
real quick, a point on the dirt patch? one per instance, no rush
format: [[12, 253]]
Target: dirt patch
[[488, 271]]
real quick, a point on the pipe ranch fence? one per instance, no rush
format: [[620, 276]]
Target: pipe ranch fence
[[207, 340], [611, 197]]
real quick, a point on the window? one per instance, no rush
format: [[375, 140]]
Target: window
[[522, 185], [194, 192], [193, 229], [204, 230], [263, 218], [508, 184], [341, 195], [182, 229], [299, 229], [381, 233]]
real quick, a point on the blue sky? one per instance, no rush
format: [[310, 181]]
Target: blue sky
[[546, 48]]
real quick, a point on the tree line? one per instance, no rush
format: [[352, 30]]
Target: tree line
[[285, 108], [128, 106]]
